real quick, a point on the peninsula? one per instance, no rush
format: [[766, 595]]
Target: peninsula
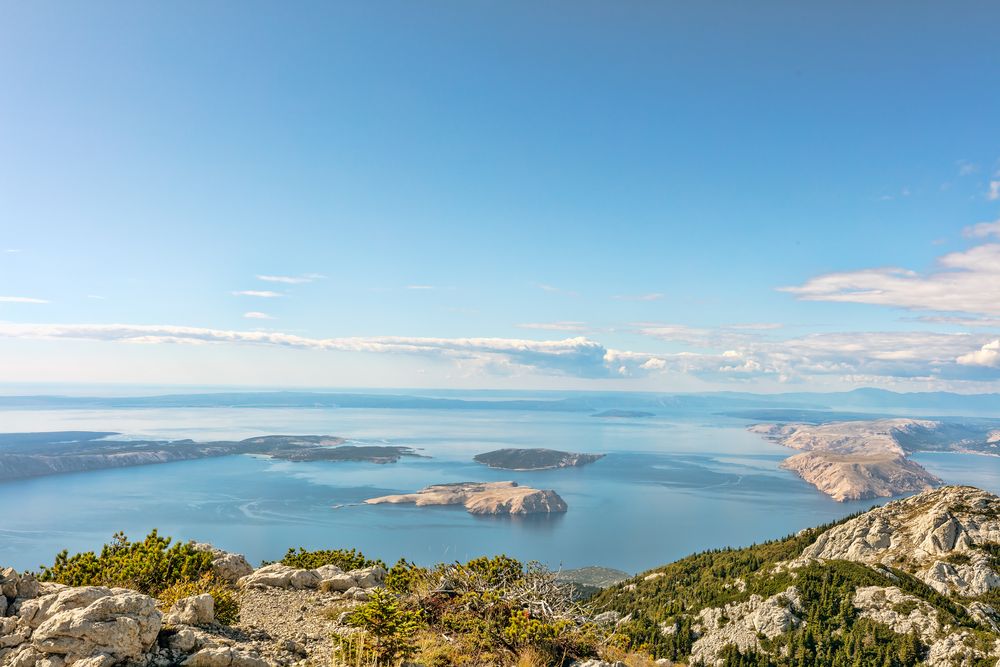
[[863, 459], [484, 498], [37, 454], [534, 459]]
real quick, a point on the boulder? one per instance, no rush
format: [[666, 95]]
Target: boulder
[[122, 625], [369, 577], [224, 656], [275, 575], [300, 579], [328, 571], [37, 611], [338, 583], [194, 610], [8, 582]]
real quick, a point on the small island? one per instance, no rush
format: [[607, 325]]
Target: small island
[[482, 498], [623, 414], [522, 460]]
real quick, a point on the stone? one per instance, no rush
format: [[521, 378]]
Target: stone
[[194, 610], [224, 656], [276, 575], [8, 582], [328, 571], [121, 625], [182, 640], [338, 583], [369, 577], [300, 579]]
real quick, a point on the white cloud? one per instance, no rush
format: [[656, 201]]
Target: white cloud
[[967, 281], [988, 356], [289, 280], [652, 296], [578, 357], [97, 297], [966, 168], [420, 287], [257, 315], [21, 299], [13, 251], [554, 326], [982, 230], [263, 294], [993, 193]]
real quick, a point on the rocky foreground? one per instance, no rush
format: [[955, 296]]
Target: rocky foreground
[[483, 498]]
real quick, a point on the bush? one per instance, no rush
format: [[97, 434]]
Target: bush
[[388, 628], [404, 577], [227, 605], [345, 559], [149, 566]]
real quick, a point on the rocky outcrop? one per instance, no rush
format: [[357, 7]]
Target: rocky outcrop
[[91, 625], [939, 536], [743, 624], [486, 498], [226, 566], [328, 578]]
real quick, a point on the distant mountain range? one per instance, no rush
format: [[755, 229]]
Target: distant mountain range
[[865, 400]]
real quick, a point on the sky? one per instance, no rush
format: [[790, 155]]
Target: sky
[[668, 196]]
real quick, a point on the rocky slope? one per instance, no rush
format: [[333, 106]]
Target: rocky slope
[[919, 575], [486, 498], [534, 459]]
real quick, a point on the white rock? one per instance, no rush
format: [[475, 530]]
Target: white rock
[[122, 625], [741, 624], [224, 656], [328, 571], [194, 610], [369, 577], [339, 583], [275, 575]]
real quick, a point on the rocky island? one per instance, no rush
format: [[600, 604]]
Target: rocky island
[[36, 454], [483, 498], [534, 459], [862, 459]]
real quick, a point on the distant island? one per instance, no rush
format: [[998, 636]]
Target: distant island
[[37, 454], [483, 498], [858, 460], [534, 459], [623, 414]]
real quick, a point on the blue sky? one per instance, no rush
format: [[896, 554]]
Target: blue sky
[[534, 195]]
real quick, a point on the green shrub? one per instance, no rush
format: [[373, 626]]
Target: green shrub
[[388, 628], [405, 577], [149, 566], [345, 559], [227, 605]]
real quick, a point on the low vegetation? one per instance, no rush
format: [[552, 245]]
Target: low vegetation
[[345, 559], [155, 566]]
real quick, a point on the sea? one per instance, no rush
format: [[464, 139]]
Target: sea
[[668, 486]]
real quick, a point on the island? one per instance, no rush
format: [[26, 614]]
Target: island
[[37, 454], [482, 498], [864, 459], [534, 459], [623, 414]]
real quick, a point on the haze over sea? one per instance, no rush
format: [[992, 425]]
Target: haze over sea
[[669, 485]]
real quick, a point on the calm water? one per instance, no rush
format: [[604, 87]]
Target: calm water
[[667, 488]]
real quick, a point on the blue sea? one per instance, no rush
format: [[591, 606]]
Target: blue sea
[[668, 487]]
